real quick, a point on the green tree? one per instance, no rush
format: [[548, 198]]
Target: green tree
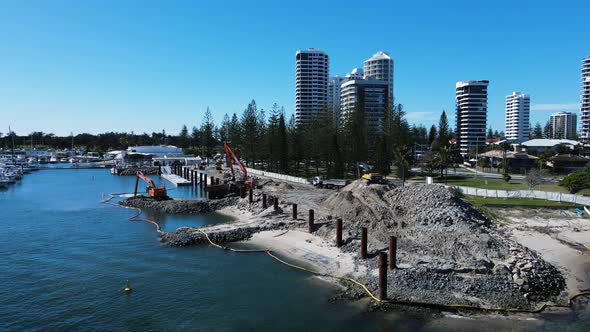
[[250, 128], [538, 131], [548, 130], [207, 134], [356, 134], [235, 131], [432, 134], [184, 137], [272, 143], [443, 130], [224, 129], [282, 143], [195, 139], [577, 181]]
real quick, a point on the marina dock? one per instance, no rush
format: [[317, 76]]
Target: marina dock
[[176, 180]]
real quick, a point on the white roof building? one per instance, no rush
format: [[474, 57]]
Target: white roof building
[[544, 143]]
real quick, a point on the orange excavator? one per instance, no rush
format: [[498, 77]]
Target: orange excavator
[[231, 159], [152, 189], [237, 185]]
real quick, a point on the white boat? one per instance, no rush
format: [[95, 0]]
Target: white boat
[[4, 182]]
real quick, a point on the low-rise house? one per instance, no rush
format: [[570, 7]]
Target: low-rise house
[[567, 163], [516, 161]]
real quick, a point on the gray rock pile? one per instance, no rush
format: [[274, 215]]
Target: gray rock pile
[[187, 236], [178, 206], [444, 245], [132, 170]]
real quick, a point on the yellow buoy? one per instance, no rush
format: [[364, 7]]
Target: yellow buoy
[[127, 287]]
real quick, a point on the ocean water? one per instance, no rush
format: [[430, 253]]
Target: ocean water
[[64, 259]]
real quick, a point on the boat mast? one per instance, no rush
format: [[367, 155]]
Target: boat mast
[[12, 137]]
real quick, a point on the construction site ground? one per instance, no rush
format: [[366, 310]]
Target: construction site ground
[[448, 252]]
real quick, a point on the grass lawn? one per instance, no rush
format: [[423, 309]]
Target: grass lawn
[[486, 183], [517, 202]]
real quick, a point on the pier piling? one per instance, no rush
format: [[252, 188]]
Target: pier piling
[[205, 180], [275, 202], [364, 242], [392, 252], [251, 195], [382, 275], [200, 179], [216, 180], [339, 233], [311, 220], [294, 211], [264, 205]]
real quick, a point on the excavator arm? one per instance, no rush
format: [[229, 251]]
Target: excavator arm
[[146, 179], [231, 159], [157, 192]]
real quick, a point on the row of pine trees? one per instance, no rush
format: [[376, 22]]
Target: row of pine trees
[[269, 141]]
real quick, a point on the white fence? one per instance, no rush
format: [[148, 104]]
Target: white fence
[[550, 196], [277, 176]]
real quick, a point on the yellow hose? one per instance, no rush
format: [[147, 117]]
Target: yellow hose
[[356, 282]]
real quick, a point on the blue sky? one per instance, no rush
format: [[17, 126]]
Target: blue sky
[[95, 66]]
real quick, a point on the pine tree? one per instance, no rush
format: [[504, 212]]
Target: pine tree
[[251, 134], [235, 131], [432, 134], [548, 130], [538, 131], [224, 129], [184, 138], [207, 133], [356, 134], [443, 130], [272, 144], [401, 145], [195, 138], [282, 144]]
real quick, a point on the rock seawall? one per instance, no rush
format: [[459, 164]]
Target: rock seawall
[[179, 206]]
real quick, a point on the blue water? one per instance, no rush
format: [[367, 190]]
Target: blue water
[[64, 258]]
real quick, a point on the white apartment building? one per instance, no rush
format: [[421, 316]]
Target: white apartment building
[[563, 125], [334, 84], [371, 96], [585, 100], [380, 67], [518, 107], [311, 84], [471, 100]]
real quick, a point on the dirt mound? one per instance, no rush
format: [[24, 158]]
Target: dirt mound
[[438, 231]]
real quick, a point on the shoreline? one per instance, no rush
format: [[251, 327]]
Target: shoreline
[[276, 230]]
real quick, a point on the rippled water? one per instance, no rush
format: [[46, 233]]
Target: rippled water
[[64, 259]]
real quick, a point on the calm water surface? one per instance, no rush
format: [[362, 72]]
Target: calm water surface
[[64, 258]]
